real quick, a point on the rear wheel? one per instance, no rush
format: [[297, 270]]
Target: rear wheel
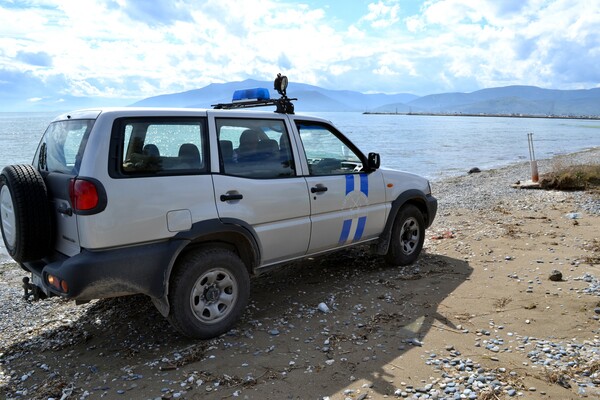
[[208, 293], [25, 217], [408, 235]]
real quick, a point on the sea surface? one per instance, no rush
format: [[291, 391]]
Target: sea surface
[[432, 146]]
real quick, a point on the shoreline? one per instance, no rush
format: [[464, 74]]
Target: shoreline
[[432, 114], [480, 190], [589, 155]]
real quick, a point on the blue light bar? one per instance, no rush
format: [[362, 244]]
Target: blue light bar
[[251, 94]]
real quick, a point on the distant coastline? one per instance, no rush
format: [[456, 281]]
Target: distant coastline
[[590, 117]]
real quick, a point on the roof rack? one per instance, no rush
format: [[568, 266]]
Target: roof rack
[[259, 97]]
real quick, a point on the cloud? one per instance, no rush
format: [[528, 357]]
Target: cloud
[[382, 14], [153, 13], [40, 58], [129, 49]]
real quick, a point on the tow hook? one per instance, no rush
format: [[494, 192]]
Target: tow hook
[[32, 290]]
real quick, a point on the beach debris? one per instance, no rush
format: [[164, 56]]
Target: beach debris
[[526, 185], [444, 235], [474, 170], [534, 168], [323, 308], [573, 215]]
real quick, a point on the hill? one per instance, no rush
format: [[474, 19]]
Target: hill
[[525, 100], [517, 100]]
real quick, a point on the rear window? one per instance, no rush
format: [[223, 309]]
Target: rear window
[[160, 146], [62, 146]]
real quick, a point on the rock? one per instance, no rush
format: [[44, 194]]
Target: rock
[[555, 276], [474, 170]]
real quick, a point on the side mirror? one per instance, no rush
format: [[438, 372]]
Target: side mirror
[[373, 161]]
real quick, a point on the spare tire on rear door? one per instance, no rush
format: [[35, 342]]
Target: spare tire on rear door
[[25, 216]]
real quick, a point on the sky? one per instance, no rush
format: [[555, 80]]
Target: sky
[[127, 50]]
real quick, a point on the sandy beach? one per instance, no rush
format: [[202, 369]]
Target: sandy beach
[[503, 303]]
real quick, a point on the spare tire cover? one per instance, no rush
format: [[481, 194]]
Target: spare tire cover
[[25, 216]]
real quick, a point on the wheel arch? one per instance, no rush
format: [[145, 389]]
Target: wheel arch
[[414, 197], [231, 234]]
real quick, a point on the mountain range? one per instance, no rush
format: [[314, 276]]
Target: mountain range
[[509, 100]]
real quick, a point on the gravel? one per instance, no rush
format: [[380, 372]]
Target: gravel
[[54, 325]]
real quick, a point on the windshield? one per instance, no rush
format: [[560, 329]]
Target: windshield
[[62, 146]]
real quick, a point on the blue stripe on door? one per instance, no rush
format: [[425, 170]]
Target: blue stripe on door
[[349, 183], [362, 221], [364, 184], [345, 231]]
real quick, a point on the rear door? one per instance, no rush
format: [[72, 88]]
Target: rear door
[[159, 181], [259, 186], [58, 159]]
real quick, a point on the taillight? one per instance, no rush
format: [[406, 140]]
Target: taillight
[[83, 194]]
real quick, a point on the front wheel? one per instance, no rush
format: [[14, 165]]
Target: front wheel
[[408, 235], [208, 293]]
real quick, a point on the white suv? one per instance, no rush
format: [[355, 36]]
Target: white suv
[[184, 205]]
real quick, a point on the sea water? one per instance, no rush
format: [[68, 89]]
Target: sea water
[[442, 146], [432, 146]]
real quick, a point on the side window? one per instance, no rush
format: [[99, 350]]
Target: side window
[[163, 146], [325, 152], [255, 148]]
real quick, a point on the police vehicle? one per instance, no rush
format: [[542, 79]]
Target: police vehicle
[[184, 205]]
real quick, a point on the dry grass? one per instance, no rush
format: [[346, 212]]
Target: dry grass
[[502, 302], [557, 378], [594, 249], [572, 177]]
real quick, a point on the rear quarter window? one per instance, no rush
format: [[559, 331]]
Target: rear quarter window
[[159, 146], [62, 146]]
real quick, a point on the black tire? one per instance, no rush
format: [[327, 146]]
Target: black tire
[[208, 293], [25, 215], [408, 235]]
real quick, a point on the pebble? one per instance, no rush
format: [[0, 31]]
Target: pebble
[[556, 276]]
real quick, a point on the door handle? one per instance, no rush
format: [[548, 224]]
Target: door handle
[[231, 196], [318, 189]]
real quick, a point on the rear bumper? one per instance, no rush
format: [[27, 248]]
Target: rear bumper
[[109, 273]]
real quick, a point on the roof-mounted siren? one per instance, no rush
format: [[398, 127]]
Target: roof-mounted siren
[[257, 94]]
